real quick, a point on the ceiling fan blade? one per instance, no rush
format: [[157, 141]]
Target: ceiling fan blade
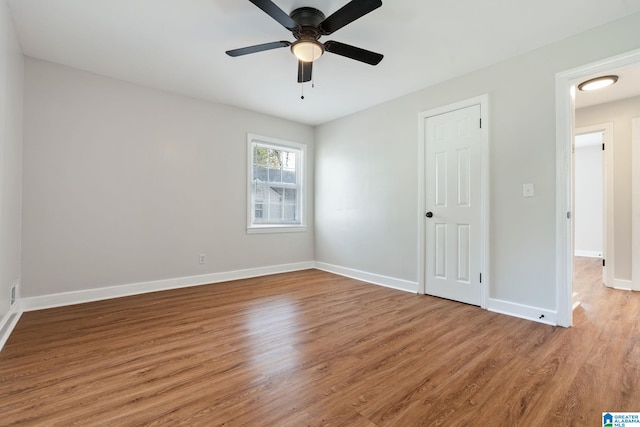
[[276, 13], [257, 48], [353, 52], [348, 13], [304, 71]]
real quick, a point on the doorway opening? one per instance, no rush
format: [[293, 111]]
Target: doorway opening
[[593, 208], [565, 131], [588, 192]]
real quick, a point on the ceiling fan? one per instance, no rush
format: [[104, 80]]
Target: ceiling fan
[[307, 25]]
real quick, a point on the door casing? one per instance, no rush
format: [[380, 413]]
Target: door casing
[[565, 121], [635, 204]]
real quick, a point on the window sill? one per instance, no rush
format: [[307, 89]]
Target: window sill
[[258, 229]]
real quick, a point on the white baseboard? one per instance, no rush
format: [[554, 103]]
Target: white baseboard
[[78, 297], [624, 285], [535, 314], [376, 279], [589, 254], [523, 311], [8, 323]]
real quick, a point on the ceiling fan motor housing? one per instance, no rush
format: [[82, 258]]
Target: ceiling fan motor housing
[[307, 48], [309, 19]]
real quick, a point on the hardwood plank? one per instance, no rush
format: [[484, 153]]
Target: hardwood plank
[[312, 348]]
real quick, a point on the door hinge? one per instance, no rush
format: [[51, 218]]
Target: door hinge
[[568, 215], [603, 262], [480, 277], [603, 146], [480, 123]]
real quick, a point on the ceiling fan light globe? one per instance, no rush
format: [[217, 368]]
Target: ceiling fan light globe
[[307, 50]]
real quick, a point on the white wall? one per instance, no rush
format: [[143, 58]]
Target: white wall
[[11, 66], [589, 196], [124, 184], [620, 113], [367, 177]]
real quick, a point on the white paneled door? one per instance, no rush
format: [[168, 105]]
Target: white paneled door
[[453, 203]]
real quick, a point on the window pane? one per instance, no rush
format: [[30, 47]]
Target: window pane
[[290, 196], [289, 213], [289, 167], [275, 212], [260, 156], [275, 175], [275, 184], [259, 173], [258, 211]]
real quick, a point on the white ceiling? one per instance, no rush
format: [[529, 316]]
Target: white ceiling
[[179, 45], [627, 86]]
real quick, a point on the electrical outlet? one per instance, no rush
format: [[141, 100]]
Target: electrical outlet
[[203, 259]]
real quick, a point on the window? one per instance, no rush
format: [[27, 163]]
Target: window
[[275, 193]]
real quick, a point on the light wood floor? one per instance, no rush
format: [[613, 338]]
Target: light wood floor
[[312, 348]]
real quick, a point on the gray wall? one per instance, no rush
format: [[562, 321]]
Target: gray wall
[[620, 114], [11, 65], [124, 184], [367, 177]]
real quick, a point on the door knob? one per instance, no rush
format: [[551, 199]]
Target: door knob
[[429, 214]]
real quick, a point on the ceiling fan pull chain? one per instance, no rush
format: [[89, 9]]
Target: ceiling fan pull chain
[[302, 90]]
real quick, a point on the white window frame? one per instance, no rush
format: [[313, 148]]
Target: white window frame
[[300, 174]]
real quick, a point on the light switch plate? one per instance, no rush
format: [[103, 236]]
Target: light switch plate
[[527, 190]]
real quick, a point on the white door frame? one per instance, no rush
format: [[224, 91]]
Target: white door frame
[[635, 204], [565, 96], [607, 174], [483, 101]]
